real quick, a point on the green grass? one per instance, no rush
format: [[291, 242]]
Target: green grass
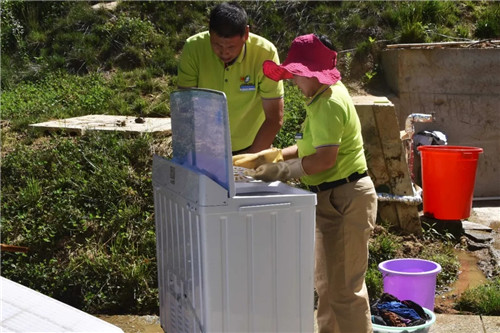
[[84, 207], [484, 299], [59, 95], [55, 95]]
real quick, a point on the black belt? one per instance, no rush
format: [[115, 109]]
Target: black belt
[[328, 185]]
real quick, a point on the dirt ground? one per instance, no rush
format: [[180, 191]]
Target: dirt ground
[[135, 324]]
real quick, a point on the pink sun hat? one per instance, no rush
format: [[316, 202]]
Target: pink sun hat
[[308, 57]]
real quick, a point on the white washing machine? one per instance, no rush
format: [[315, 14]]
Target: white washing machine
[[232, 256]]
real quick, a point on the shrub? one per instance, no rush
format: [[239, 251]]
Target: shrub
[[383, 246], [25, 23], [488, 25], [293, 117]]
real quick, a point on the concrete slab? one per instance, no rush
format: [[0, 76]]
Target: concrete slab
[[25, 310], [467, 225], [457, 323], [479, 236], [370, 100], [108, 6], [134, 324], [491, 324], [79, 125], [486, 215]]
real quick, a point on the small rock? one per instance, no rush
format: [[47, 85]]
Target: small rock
[[479, 236], [106, 5]]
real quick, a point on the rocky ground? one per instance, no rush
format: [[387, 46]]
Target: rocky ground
[[480, 254]]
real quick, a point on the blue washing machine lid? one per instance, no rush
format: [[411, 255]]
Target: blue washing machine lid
[[201, 137]]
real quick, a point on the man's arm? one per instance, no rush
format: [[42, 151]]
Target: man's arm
[[273, 110]]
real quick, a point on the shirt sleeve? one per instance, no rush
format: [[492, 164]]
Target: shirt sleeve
[[188, 69], [330, 119]]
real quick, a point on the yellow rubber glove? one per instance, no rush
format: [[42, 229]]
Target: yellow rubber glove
[[252, 161], [278, 171]]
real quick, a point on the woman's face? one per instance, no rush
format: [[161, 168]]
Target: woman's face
[[308, 85]]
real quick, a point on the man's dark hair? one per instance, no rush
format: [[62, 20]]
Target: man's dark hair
[[326, 41], [228, 19]]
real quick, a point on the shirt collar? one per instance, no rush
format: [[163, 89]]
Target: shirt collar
[[320, 91]]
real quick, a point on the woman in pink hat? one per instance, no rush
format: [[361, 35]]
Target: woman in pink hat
[[329, 158]]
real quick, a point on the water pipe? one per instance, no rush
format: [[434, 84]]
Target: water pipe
[[412, 200], [416, 118]]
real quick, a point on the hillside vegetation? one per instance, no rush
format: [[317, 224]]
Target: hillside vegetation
[[83, 205]]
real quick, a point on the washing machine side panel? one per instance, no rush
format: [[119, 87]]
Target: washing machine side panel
[[179, 263], [258, 266]]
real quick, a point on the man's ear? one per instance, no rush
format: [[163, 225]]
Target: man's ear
[[247, 32]]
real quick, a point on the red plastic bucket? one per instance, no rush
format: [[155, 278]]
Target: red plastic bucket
[[448, 177]]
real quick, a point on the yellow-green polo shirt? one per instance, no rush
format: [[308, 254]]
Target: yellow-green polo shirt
[[243, 82], [331, 120]]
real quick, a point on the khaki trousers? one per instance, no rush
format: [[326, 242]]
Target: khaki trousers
[[345, 217]]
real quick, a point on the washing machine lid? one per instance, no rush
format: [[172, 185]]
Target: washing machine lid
[[201, 139]]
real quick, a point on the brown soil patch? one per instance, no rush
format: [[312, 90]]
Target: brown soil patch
[[134, 324]]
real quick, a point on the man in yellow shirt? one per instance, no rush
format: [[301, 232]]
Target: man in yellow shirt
[[229, 58]]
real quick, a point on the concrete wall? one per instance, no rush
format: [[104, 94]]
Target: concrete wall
[[461, 88]]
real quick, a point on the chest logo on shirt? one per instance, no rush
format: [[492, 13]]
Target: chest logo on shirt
[[246, 85]]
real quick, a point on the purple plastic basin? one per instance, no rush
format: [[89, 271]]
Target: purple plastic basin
[[411, 279]]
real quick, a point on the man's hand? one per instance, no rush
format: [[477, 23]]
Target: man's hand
[[252, 161], [283, 171]]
